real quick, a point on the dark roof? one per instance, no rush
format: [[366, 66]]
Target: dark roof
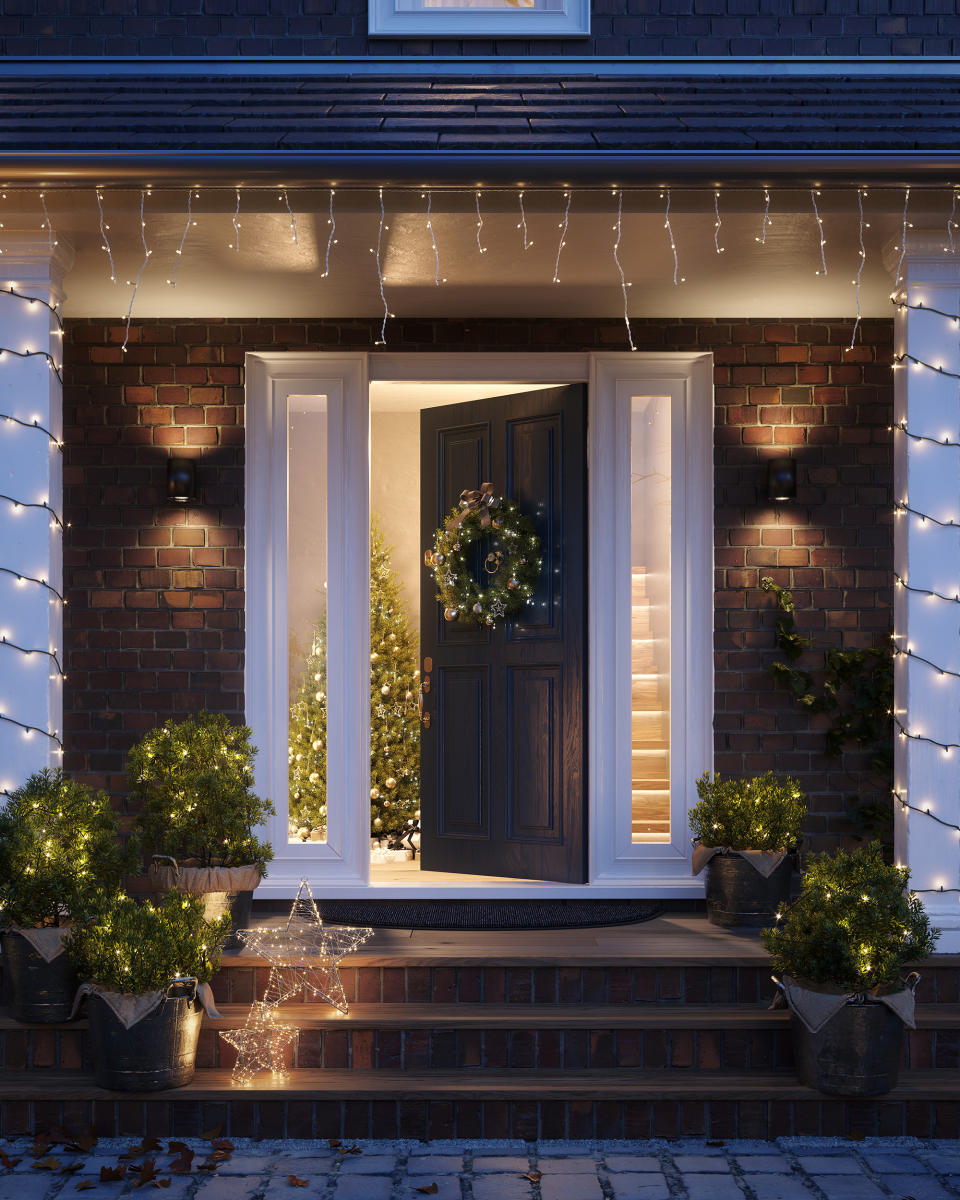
[[595, 116]]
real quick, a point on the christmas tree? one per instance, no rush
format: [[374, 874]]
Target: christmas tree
[[394, 718]]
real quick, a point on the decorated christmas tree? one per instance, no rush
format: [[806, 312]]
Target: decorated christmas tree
[[394, 718]]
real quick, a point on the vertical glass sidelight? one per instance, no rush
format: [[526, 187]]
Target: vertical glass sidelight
[[307, 449], [650, 535]]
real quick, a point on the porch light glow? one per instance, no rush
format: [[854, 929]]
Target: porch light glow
[[181, 480], [781, 480]]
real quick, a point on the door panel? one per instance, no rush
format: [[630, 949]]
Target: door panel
[[502, 758]]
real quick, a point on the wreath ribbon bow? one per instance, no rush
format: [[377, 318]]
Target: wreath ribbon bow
[[475, 500]]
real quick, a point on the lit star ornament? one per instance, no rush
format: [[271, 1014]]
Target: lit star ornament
[[306, 950], [497, 609], [261, 1045]]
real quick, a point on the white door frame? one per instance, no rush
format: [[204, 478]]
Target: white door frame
[[340, 867]]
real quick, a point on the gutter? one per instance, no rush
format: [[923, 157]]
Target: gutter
[[363, 168]]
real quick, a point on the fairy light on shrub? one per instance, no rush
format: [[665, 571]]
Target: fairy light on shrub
[[563, 226], [105, 237], [616, 258], [147, 252], [816, 214], [190, 222], [677, 277]]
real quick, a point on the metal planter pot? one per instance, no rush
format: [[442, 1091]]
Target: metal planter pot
[[737, 894], [857, 1052], [166, 873], [38, 991], [156, 1053]]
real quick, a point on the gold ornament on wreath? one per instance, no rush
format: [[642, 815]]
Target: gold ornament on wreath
[[511, 568]]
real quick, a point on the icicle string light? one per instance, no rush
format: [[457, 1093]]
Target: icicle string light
[[294, 232], [717, 222], [563, 226], [331, 237], [616, 258], [677, 277], [433, 239], [816, 214], [47, 224], [951, 223], [480, 246], [862, 259], [903, 238], [186, 229], [386, 310], [32, 425], [235, 244], [136, 283], [18, 504], [522, 225], [5, 641], [765, 221], [105, 237]]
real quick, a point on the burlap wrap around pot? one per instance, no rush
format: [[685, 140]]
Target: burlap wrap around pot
[[198, 881]]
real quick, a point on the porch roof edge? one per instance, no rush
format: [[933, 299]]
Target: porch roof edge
[[362, 168]]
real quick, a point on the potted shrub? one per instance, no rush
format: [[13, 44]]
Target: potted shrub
[[745, 833], [193, 782], [839, 954], [60, 853], [147, 969]]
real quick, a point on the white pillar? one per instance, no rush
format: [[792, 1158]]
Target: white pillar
[[31, 542], [927, 557]]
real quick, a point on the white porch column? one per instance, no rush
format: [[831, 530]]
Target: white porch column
[[31, 541], [927, 558]]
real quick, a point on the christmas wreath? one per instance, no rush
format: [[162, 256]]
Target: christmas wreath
[[511, 568]]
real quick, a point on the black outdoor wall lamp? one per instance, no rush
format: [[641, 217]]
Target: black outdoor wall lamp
[[781, 480], [181, 481]]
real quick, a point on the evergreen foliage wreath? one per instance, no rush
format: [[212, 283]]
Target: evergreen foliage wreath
[[512, 566]]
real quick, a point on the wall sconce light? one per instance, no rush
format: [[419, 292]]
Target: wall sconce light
[[781, 480], [181, 481]]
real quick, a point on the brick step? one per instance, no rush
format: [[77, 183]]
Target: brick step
[[428, 1105], [405, 1036]]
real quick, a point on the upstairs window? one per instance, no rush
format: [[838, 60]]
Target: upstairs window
[[479, 18]]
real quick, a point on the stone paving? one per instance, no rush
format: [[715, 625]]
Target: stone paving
[[785, 1169]]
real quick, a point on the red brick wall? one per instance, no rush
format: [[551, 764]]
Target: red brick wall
[[154, 624]]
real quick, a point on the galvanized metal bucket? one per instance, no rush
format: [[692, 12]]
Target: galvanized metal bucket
[[856, 1053], [38, 991], [156, 1053], [737, 894]]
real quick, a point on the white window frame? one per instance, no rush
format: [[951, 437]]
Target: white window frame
[[340, 867], [384, 20]]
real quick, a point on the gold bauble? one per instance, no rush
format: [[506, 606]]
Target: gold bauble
[[391, 782], [451, 614], [385, 690], [374, 793]]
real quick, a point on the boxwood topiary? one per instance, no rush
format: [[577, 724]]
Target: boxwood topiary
[[854, 926], [762, 813]]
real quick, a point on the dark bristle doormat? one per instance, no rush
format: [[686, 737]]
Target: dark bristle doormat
[[487, 914]]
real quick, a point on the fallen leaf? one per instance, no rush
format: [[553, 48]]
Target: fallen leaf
[[182, 1164], [47, 1164], [334, 1143], [84, 1185], [112, 1174], [222, 1144], [71, 1167], [209, 1164], [429, 1189], [146, 1172], [41, 1144], [161, 1183], [354, 1149], [212, 1133], [7, 1161], [295, 1182], [177, 1147], [84, 1143], [534, 1176]]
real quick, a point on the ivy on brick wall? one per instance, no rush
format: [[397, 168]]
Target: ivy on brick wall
[[854, 688]]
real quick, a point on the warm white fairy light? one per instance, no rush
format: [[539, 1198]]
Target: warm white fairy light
[[762, 237], [47, 224], [294, 232], [235, 244], [480, 246], [861, 196], [717, 222], [563, 226], [433, 238], [903, 238], [331, 236], [136, 283], [105, 237], [186, 229], [952, 223], [386, 310], [677, 277], [616, 258], [522, 225], [816, 213]]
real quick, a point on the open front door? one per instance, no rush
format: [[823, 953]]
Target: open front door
[[503, 744]]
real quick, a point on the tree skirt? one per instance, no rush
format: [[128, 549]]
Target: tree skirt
[[487, 914]]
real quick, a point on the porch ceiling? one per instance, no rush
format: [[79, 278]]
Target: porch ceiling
[[312, 128]]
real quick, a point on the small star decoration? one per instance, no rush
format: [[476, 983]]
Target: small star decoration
[[497, 609]]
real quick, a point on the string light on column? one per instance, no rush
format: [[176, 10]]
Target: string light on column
[[717, 222], [522, 225], [677, 277], [21, 578], [861, 196], [294, 232], [235, 244], [903, 239], [921, 365], [816, 213], [901, 582], [908, 653], [18, 505], [901, 427], [47, 224], [563, 226], [952, 224], [386, 310], [49, 359], [765, 221], [34, 424], [105, 237], [331, 237], [190, 222], [51, 654], [904, 732], [616, 258], [901, 506], [136, 283], [29, 730], [480, 246], [433, 238]]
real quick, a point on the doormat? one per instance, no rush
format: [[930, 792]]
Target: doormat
[[487, 914]]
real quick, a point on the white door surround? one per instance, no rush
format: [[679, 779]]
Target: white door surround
[[617, 866]]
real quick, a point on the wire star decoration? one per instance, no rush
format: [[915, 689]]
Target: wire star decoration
[[497, 609], [261, 1044]]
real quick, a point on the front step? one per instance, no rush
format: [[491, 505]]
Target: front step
[[486, 1104]]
